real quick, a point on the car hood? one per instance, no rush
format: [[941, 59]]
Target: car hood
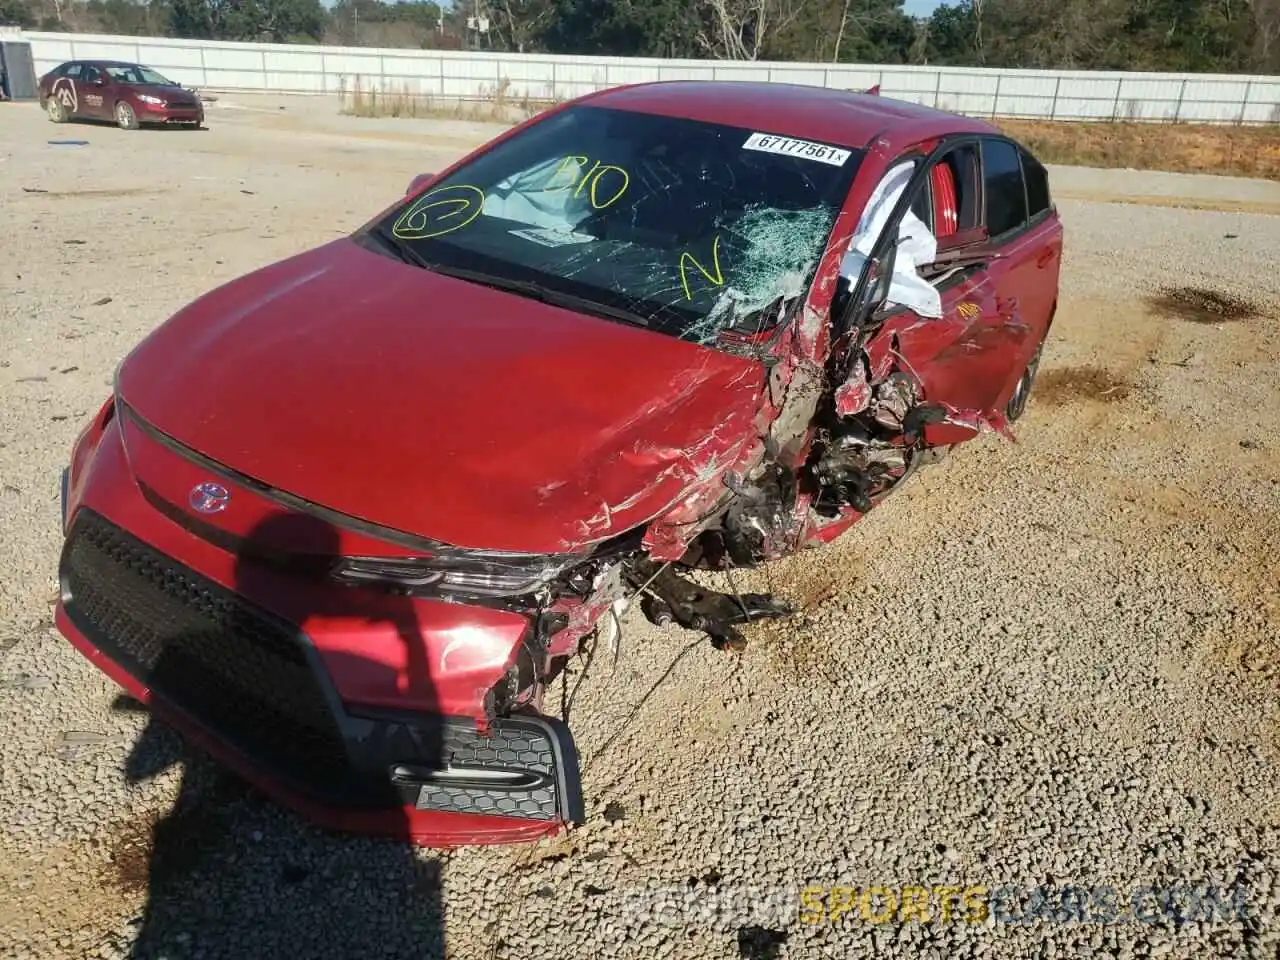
[[439, 407], [164, 91]]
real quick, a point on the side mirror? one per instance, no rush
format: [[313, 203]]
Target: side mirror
[[417, 183]]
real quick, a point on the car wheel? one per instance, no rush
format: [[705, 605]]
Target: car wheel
[[1022, 391], [56, 110], [126, 119]]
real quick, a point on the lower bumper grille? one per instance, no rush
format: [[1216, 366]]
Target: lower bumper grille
[[252, 680], [235, 668]]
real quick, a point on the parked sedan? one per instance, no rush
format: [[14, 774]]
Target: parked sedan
[[128, 93], [343, 520]]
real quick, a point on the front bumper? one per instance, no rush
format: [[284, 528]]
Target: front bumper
[[252, 687], [150, 113]]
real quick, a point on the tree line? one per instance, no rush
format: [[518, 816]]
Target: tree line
[[1177, 35]]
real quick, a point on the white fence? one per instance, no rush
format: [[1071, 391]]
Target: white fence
[[1044, 94]]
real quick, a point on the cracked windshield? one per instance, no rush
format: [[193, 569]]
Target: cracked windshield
[[688, 228]]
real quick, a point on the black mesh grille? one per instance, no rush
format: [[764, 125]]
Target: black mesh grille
[[237, 669]]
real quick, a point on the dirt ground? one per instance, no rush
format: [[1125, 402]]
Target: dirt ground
[[1043, 663]]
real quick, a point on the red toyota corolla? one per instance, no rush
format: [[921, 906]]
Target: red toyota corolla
[[344, 519]]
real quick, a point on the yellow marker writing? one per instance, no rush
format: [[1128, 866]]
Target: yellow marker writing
[[594, 176], [570, 171], [576, 163], [426, 218], [717, 278]]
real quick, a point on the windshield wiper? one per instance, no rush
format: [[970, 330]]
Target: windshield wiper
[[525, 288], [536, 291], [401, 248], [586, 305]]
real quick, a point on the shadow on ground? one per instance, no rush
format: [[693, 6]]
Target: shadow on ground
[[227, 873]]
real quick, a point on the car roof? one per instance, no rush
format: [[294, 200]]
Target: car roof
[[842, 117]]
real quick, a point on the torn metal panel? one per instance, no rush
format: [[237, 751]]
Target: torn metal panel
[[854, 395]]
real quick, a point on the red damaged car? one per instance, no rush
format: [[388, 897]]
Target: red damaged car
[[129, 94], [344, 519]]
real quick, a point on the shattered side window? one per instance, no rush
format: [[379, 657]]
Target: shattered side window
[[695, 228]]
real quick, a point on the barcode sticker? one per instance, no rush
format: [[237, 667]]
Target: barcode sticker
[[790, 147]]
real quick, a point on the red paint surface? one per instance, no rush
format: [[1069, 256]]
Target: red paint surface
[[436, 406], [380, 650], [478, 418], [97, 101], [429, 828]]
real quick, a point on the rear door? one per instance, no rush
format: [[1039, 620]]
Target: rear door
[[1025, 232], [64, 88]]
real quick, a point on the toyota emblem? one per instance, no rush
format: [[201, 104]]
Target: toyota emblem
[[209, 497]]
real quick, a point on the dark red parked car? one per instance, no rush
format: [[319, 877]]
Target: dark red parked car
[[344, 519], [128, 93]]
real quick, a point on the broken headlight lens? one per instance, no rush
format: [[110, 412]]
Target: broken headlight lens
[[470, 575]]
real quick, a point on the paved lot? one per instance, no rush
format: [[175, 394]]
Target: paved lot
[[1044, 664]]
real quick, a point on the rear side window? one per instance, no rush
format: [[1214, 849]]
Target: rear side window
[[957, 198], [1006, 195], [1037, 179], [71, 70]]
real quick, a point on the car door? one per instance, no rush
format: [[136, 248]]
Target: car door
[[997, 301], [64, 88], [91, 88], [1029, 245], [947, 352]]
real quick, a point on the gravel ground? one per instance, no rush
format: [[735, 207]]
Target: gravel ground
[[1046, 664]]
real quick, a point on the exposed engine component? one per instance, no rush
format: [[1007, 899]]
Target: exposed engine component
[[870, 444], [892, 399], [759, 520], [670, 598]]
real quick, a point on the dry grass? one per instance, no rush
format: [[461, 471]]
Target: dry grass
[[495, 105], [1177, 147]]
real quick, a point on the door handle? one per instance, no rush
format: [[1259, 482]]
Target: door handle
[[1046, 258]]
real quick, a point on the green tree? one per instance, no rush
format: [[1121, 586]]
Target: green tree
[[951, 36], [17, 13], [276, 21], [635, 28]]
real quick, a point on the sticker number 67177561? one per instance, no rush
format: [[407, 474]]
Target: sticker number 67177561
[[790, 147]]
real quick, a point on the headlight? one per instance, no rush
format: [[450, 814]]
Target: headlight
[[473, 574], [147, 98]]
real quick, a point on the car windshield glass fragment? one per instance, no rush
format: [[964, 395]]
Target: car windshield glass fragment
[[138, 75], [699, 228]]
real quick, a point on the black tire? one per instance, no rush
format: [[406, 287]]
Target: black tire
[[126, 119], [1017, 404], [56, 110]]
